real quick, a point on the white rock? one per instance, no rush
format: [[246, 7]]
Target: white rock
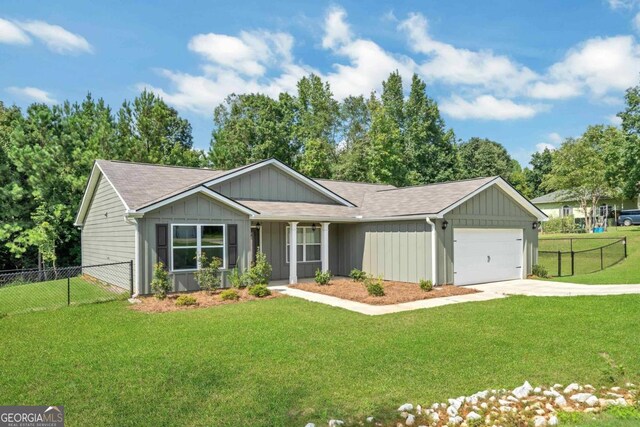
[[560, 401], [406, 407], [522, 391], [537, 390], [540, 411], [452, 411], [571, 388], [553, 421], [404, 414], [457, 403], [539, 421], [591, 401], [630, 385], [435, 417], [310, 425], [551, 393], [484, 405], [621, 402], [410, 420], [472, 416], [419, 410], [589, 386], [581, 397], [435, 406], [455, 420], [557, 386], [513, 399], [370, 419], [503, 402], [335, 423], [549, 407]]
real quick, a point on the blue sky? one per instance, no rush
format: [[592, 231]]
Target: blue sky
[[525, 74]]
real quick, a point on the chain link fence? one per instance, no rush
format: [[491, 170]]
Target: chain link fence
[[569, 259], [33, 290]]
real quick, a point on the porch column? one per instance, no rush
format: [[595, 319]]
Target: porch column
[[293, 253], [324, 246]]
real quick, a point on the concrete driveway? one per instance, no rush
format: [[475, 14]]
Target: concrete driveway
[[540, 288]]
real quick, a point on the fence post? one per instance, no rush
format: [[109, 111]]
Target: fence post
[[625, 246], [571, 243], [131, 278], [601, 259], [68, 290], [573, 262], [559, 264]]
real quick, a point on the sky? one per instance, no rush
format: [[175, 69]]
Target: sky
[[524, 73]]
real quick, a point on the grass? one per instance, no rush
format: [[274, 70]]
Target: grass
[[612, 417], [625, 272], [51, 294], [287, 361]]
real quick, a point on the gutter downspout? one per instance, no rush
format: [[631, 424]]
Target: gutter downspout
[[434, 268], [136, 254]]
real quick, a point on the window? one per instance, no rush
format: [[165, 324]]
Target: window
[[187, 241], [604, 211], [308, 244], [566, 210]]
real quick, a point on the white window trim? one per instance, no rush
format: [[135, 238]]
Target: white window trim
[[304, 244], [199, 245]]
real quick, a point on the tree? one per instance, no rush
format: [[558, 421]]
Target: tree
[[393, 99], [386, 161], [253, 127], [481, 157], [355, 121], [630, 152], [430, 147], [540, 166], [579, 168], [316, 126], [150, 131]]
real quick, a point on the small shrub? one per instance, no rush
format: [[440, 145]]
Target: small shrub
[[323, 277], [374, 287], [357, 275], [259, 291], [160, 284], [208, 275], [229, 295], [539, 271], [565, 224], [183, 300], [259, 273], [426, 285], [235, 278]]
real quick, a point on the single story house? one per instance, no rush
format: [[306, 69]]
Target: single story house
[[561, 203], [461, 232]]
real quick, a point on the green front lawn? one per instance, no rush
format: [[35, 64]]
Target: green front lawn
[[21, 297], [625, 272], [288, 362]]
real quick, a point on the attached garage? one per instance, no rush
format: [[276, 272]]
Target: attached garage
[[484, 255]]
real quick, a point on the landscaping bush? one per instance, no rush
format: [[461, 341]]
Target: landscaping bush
[[539, 271], [160, 284], [374, 286], [208, 276], [186, 300], [323, 277], [229, 295], [235, 278], [426, 285], [259, 291], [357, 275], [565, 224], [259, 273]]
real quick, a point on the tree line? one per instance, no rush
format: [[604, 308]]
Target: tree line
[[46, 152]]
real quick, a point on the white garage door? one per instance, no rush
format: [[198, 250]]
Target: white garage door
[[486, 255]]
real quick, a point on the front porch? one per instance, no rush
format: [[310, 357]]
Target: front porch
[[293, 263]]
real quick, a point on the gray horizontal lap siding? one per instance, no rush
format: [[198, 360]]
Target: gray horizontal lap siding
[[395, 250], [196, 209], [492, 208], [270, 183], [106, 237]]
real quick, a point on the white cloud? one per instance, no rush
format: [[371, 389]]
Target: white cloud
[[488, 107], [615, 120], [337, 31], [555, 138], [636, 22], [56, 38], [598, 65], [10, 33], [544, 146], [622, 4], [457, 66], [32, 94]]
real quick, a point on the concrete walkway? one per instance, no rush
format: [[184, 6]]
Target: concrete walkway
[[374, 310], [489, 291], [541, 288]]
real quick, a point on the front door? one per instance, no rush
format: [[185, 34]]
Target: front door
[[255, 243]]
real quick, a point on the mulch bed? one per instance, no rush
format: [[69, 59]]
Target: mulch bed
[[151, 304], [395, 292]]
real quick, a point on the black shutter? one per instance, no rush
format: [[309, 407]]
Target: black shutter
[[162, 243], [232, 245]]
